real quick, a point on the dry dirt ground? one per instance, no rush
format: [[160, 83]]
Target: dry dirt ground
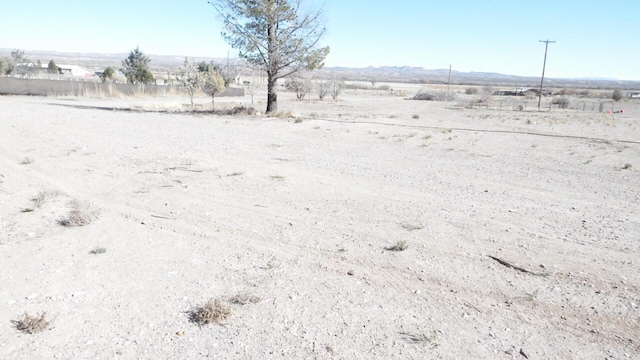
[[523, 230]]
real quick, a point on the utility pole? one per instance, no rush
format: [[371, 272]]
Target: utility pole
[[449, 80], [546, 46]]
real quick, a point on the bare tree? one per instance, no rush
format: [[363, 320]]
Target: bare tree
[[190, 77], [298, 84], [336, 89], [19, 63], [18, 56], [323, 88], [251, 89], [276, 35]]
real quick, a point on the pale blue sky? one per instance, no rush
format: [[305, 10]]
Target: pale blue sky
[[594, 38]]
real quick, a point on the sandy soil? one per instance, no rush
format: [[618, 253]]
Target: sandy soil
[[196, 207]]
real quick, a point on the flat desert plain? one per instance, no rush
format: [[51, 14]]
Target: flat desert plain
[[373, 227]]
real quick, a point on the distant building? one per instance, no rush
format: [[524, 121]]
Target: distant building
[[73, 70]]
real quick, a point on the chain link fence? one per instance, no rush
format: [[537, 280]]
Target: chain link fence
[[547, 104]]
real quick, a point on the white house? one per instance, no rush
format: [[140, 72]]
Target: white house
[[73, 70]]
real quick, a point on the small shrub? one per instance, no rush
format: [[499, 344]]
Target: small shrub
[[561, 101], [237, 110], [438, 96], [422, 95], [471, 91], [399, 246], [32, 324], [617, 95], [214, 311], [415, 116]]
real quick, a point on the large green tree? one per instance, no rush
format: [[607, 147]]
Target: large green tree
[[108, 74], [214, 83], [136, 68], [227, 74], [4, 65], [281, 37], [52, 68]]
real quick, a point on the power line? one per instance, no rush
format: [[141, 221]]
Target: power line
[[544, 65]]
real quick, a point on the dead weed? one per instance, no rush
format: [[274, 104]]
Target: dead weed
[[399, 246], [244, 299], [81, 214], [32, 324], [214, 311]]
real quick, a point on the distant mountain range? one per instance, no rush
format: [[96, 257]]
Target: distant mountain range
[[405, 74], [440, 76]]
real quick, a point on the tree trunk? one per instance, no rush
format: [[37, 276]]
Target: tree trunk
[[272, 96], [272, 53]]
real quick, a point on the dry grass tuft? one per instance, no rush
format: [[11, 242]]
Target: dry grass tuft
[[244, 299], [40, 198], [32, 324], [283, 115], [214, 311], [43, 196], [626, 166], [412, 227], [238, 110], [98, 250], [399, 246], [422, 338], [82, 214], [27, 161]]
